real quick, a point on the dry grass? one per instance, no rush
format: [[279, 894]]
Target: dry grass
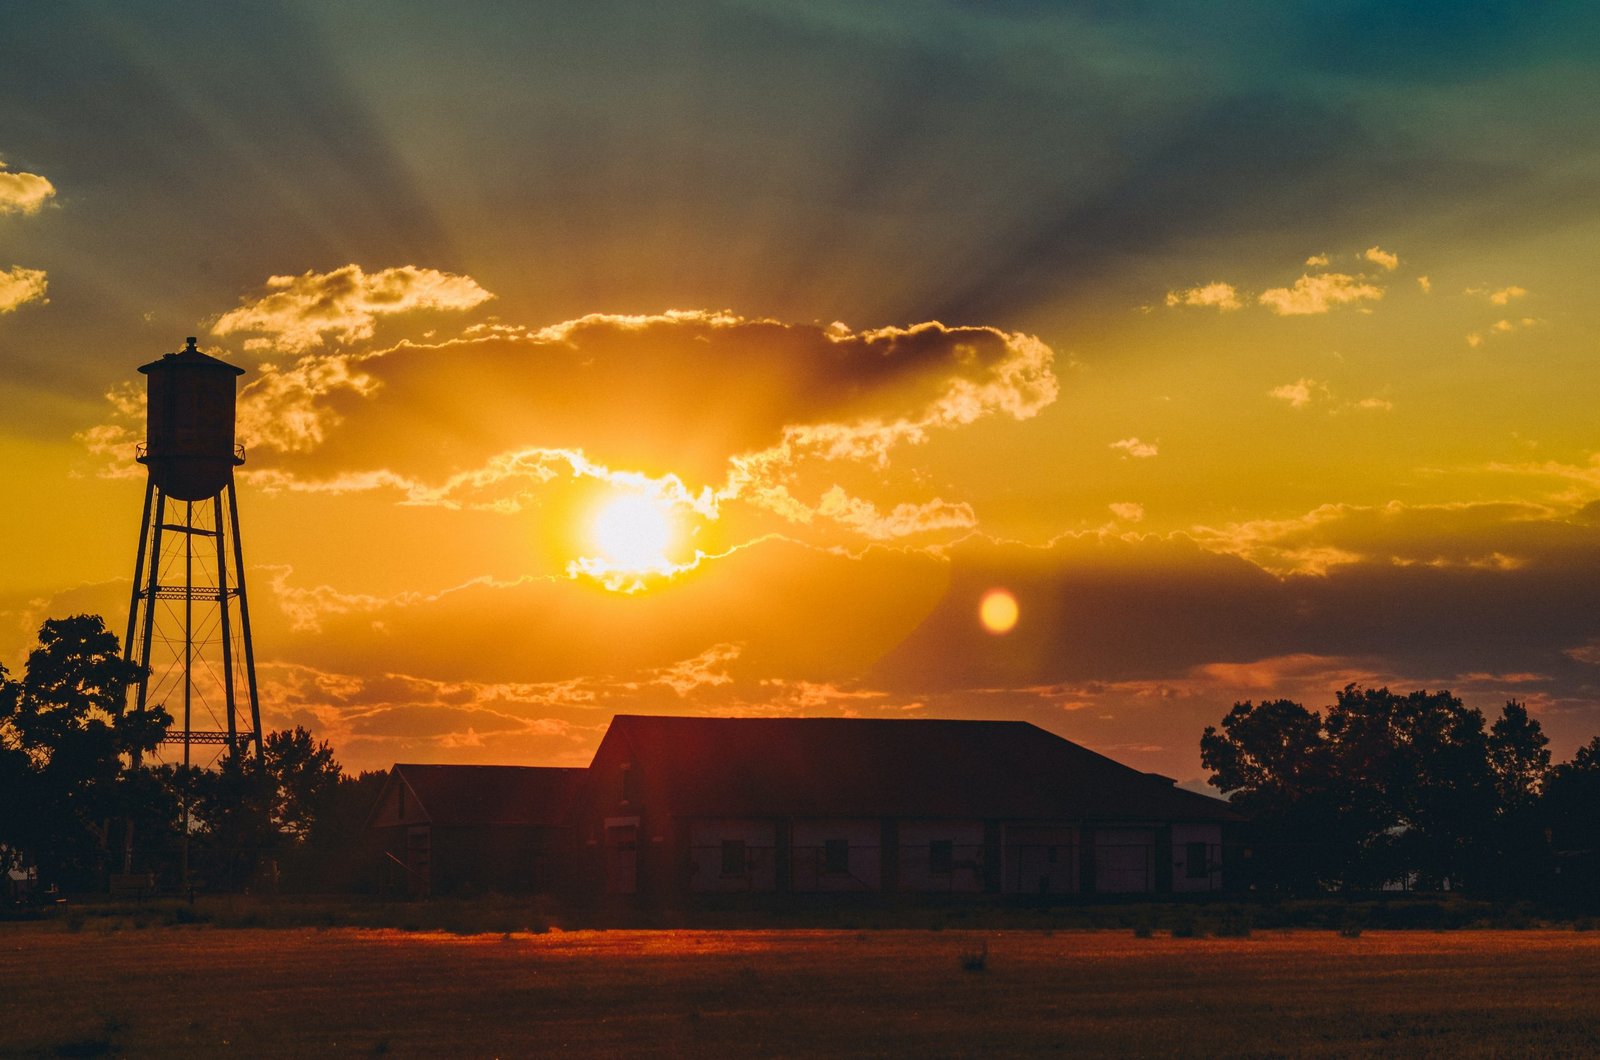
[[170, 990]]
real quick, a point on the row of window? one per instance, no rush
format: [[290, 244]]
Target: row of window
[[941, 858]]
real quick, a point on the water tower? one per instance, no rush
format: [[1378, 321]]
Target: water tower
[[189, 618]]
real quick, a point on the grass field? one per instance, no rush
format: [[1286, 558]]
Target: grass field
[[104, 989]]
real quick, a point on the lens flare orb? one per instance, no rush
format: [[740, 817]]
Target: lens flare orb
[[998, 611]]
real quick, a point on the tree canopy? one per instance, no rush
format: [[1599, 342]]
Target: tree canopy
[[1384, 788]]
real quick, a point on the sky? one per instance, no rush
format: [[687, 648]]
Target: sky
[[730, 358]]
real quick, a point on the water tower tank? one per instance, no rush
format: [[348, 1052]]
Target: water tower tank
[[189, 444]]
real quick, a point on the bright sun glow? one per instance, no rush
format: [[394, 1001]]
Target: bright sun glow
[[633, 533], [998, 611]]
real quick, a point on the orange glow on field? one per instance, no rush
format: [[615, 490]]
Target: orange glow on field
[[998, 611]]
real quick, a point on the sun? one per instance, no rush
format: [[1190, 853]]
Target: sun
[[633, 533]]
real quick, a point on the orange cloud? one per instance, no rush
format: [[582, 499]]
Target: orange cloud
[[1133, 447], [23, 193], [299, 312], [20, 286], [1381, 257], [1221, 296], [1318, 294], [1300, 393]]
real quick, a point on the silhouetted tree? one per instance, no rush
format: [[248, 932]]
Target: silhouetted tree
[[268, 813], [305, 778], [65, 735], [1413, 776], [231, 811], [1519, 754], [1273, 760], [1572, 800], [1521, 859], [1384, 787]]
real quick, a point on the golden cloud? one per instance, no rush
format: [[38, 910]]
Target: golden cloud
[[19, 286], [1483, 536], [1221, 296], [1318, 294], [23, 192], [299, 312], [1133, 447], [1379, 256], [1299, 393], [698, 409]]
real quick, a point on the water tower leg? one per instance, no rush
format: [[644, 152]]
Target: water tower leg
[[227, 628], [244, 623], [133, 596]]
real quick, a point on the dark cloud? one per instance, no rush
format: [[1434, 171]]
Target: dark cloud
[[1155, 609], [677, 393]]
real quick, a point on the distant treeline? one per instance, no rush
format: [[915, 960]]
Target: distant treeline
[[1383, 789]]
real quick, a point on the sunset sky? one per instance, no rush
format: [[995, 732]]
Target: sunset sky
[[722, 357]]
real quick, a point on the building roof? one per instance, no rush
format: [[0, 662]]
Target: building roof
[[493, 795], [893, 767], [189, 357]]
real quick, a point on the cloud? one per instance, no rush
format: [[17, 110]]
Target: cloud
[[1318, 294], [299, 312], [1498, 536], [1221, 296], [23, 193], [1504, 326], [706, 410], [904, 520], [1299, 393], [1498, 296], [709, 669], [1317, 261], [1379, 256], [1128, 511], [1491, 598], [1133, 447], [20, 286], [1426, 284]]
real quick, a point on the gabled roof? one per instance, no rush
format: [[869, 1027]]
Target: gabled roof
[[891, 767], [493, 795]]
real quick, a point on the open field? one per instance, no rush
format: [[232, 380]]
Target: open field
[[104, 990]]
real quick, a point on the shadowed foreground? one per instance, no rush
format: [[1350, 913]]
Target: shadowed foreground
[[277, 992]]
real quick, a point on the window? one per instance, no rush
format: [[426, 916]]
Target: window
[[836, 857], [942, 856], [733, 857], [1197, 865]]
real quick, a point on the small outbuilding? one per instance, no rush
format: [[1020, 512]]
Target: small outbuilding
[[443, 829]]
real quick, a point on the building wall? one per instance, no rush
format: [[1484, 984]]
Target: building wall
[[1196, 857], [862, 854], [1124, 860], [732, 855], [397, 805], [1040, 859], [944, 857]]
